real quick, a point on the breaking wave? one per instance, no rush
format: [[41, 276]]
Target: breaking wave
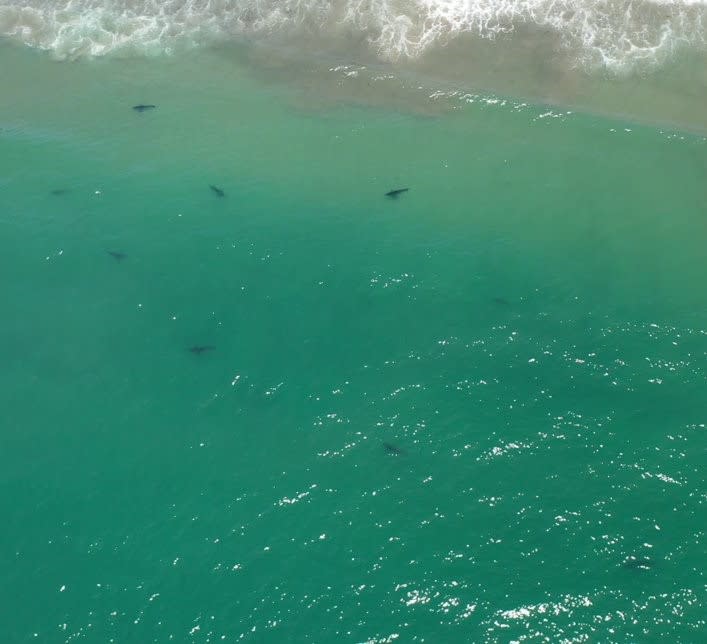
[[616, 35]]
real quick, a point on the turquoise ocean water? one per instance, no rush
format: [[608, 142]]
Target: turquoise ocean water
[[474, 413]]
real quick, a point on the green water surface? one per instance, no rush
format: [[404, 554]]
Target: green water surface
[[527, 326]]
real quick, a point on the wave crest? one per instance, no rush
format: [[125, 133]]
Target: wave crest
[[615, 35]]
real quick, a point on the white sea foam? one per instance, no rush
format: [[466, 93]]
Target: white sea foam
[[617, 35]]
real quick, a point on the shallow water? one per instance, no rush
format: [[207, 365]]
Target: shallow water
[[527, 325], [642, 60]]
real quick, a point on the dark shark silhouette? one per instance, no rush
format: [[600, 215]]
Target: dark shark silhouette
[[394, 194], [143, 108], [394, 450], [217, 191], [117, 255], [633, 562], [198, 349]]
